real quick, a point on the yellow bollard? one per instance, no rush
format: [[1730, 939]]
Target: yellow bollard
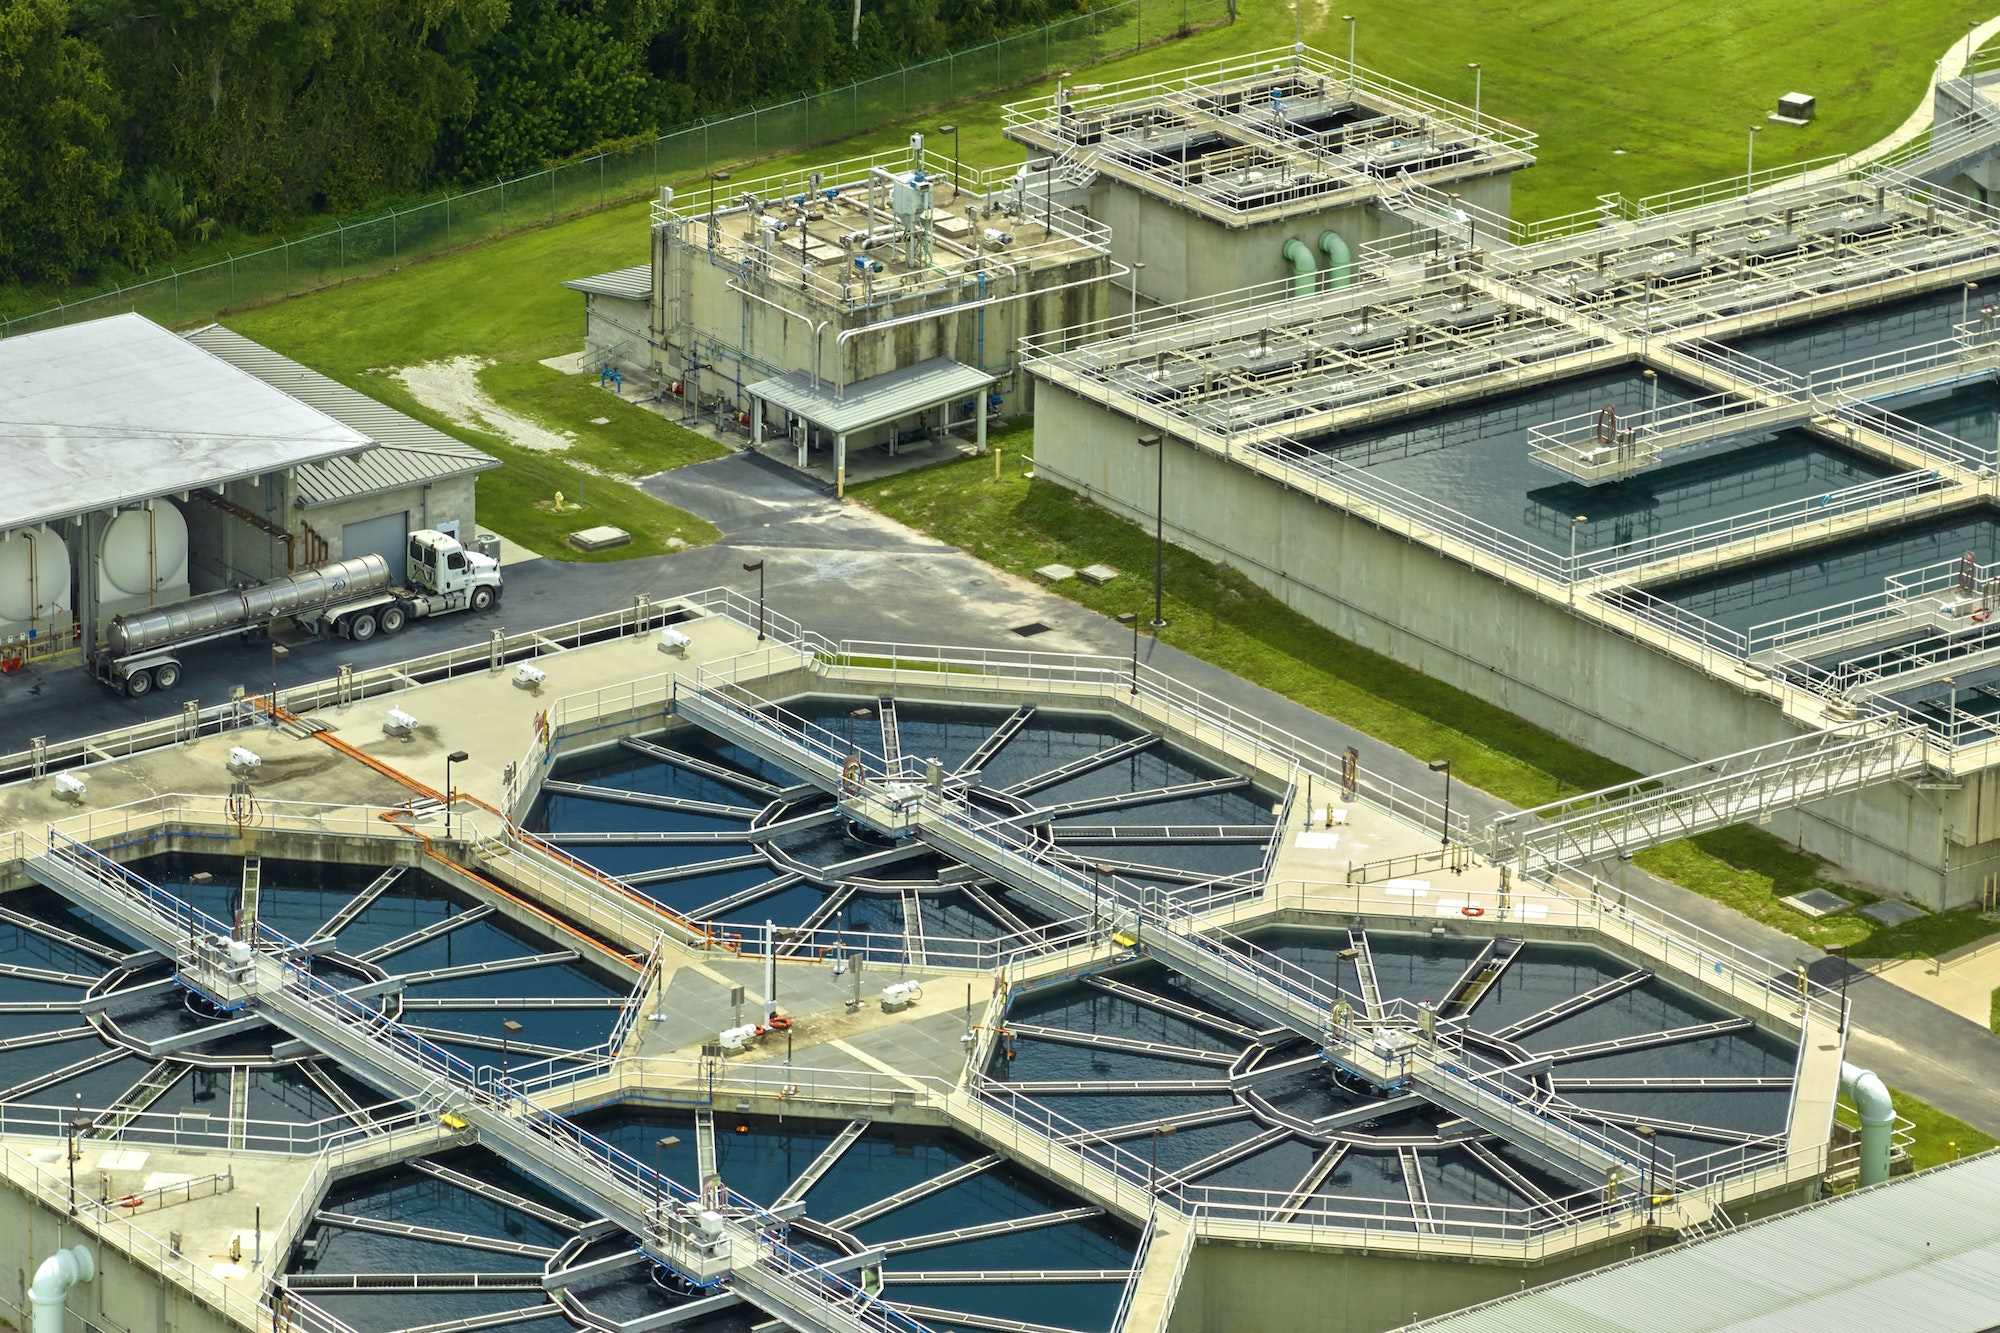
[[996, 465]]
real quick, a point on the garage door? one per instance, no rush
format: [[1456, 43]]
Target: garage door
[[386, 536]]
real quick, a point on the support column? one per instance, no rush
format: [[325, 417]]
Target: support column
[[803, 430], [840, 467], [982, 418], [756, 423]]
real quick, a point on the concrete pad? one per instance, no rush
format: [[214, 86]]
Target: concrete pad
[[601, 538], [1097, 575], [1054, 574]]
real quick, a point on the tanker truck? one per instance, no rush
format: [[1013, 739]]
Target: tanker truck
[[353, 599]]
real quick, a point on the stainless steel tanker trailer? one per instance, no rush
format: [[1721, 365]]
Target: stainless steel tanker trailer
[[355, 599]]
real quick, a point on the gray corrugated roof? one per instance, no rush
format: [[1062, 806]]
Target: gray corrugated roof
[[119, 410], [634, 284], [872, 402], [1918, 1255], [406, 452]]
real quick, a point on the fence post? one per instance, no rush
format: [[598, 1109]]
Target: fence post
[[342, 228], [288, 264], [600, 179], [395, 243], [552, 194], [447, 220], [232, 279]]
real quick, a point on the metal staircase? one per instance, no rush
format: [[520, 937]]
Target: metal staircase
[[1743, 787]]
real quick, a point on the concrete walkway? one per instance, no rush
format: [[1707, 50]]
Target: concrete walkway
[[1949, 66]]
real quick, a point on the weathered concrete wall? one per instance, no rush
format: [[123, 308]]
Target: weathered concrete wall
[[453, 500], [1188, 255], [124, 1295], [1540, 660], [615, 333]]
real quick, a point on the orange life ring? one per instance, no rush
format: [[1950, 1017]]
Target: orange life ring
[[1470, 910], [1982, 613], [779, 1023], [131, 1201], [1607, 424]]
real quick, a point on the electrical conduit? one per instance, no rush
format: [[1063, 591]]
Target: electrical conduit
[[58, 1273], [1878, 1116], [1305, 272], [1339, 260]]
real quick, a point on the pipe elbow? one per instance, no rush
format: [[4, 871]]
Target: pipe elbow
[[61, 1271], [1869, 1095], [1301, 258]]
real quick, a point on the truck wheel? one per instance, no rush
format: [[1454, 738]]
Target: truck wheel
[[166, 675], [392, 619], [482, 599], [362, 628], [139, 683]]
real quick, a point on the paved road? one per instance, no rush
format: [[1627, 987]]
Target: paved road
[[846, 572]]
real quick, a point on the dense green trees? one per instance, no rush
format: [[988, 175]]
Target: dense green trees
[[130, 126]]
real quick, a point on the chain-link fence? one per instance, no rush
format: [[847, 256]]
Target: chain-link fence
[[399, 236]]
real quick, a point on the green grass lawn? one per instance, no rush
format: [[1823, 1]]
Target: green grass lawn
[[1937, 1137], [1217, 614]]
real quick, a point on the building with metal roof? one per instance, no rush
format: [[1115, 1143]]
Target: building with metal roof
[[617, 320], [1916, 1255]]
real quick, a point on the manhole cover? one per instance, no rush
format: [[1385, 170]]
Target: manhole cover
[[1890, 912], [1031, 629], [1817, 903]]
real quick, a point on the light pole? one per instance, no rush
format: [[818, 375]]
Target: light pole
[[1652, 1138], [1750, 163], [279, 653], [665, 1143], [1098, 873], [455, 757], [509, 1029], [858, 715], [1840, 951], [1574, 524], [1349, 952], [1132, 618], [1153, 1173], [1348, 19], [1138, 267], [77, 1129], [1964, 304], [757, 567], [1478, 77], [952, 130], [713, 177], [1159, 442], [1444, 766]]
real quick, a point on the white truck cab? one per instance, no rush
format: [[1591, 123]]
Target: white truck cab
[[442, 577]]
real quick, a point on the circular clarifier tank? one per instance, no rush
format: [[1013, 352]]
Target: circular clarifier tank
[[1250, 1122], [715, 835], [90, 1020]]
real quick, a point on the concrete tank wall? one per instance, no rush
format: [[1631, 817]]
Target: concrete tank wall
[[1611, 695], [1188, 254]]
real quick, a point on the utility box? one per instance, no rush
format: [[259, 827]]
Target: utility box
[[1797, 106]]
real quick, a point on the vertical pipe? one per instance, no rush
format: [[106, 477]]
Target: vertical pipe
[[770, 972]]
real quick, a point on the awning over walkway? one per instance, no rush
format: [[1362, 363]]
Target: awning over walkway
[[872, 402]]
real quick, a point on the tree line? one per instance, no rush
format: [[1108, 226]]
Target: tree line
[[130, 128]]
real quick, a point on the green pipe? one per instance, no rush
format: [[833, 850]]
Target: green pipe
[[1305, 273], [1339, 260]]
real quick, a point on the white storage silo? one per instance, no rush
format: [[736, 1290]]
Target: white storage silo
[[143, 560], [34, 584]]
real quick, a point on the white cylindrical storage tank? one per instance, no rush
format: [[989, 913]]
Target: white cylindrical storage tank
[[34, 581], [144, 558]]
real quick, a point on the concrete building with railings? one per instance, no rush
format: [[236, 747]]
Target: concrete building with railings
[[1672, 478], [1273, 167]]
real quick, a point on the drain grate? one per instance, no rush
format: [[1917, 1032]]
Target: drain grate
[[1031, 629]]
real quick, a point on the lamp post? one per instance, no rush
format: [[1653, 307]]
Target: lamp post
[[757, 567], [1574, 524], [1348, 19], [1345, 954], [1840, 951], [713, 177], [1444, 766], [1652, 1138], [509, 1029], [1098, 873], [1478, 77], [455, 757], [1132, 618], [1159, 442], [1138, 267], [279, 653], [858, 715], [666, 1143], [1153, 1173], [952, 130], [1965, 303], [78, 1127], [1750, 163]]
